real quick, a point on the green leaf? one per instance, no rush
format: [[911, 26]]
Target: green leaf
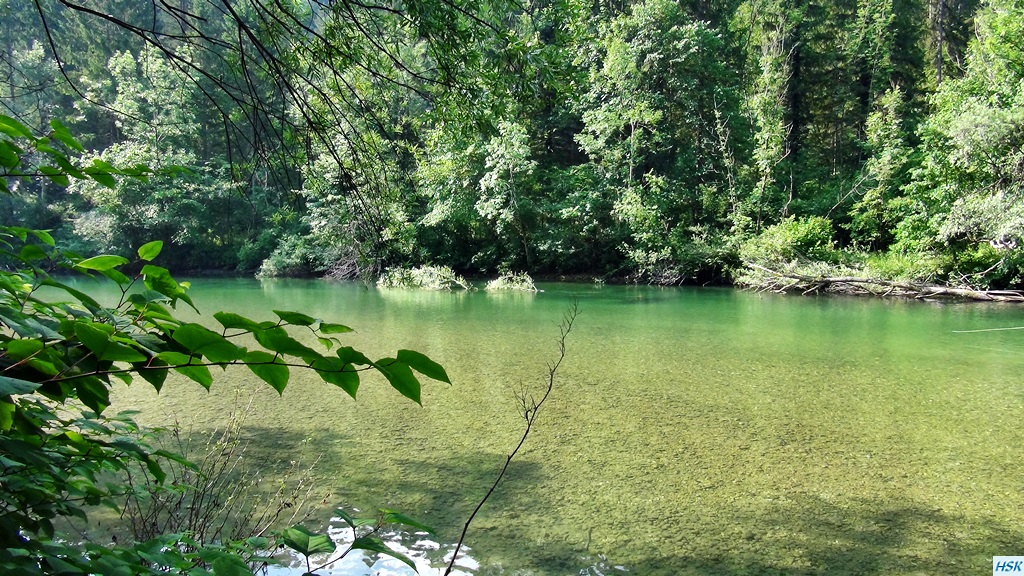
[[160, 280], [22, 348], [81, 296], [296, 318], [182, 364], [277, 340], [55, 174], [98, 338], [44, 237], [94, 393], [352, 356], [6, 414], [354, 522], [13, 128], [230, 565], [60, 132], [257, 542], [305, 542], [9, 386], [337, 372], [423, 365], [202, 341], [10, 155], [400, 377], [154, 372], [105, 179], [32, 252], [150, 250], [395, 517], [101, 263], [376, 545], [230, 320], [154, 468], [266, 367], [328, 328], [116, 275]]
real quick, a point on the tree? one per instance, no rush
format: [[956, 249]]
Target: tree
[[661, 124]]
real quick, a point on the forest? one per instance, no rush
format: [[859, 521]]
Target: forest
[[659, 141]]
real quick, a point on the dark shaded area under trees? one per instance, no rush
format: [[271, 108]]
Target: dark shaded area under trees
[[654, 141]]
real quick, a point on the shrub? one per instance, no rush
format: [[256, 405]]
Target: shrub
[[792, 239], [512, 281], [424, 278]]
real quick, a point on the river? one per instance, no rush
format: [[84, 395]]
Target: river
[[690, 431]]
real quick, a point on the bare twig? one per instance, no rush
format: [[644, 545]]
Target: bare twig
[[529, 408]]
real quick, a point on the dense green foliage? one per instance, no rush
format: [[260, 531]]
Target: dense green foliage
[[653, 140]]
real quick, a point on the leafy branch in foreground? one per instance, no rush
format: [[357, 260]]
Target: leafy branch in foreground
[[529, 407], [58, 451]]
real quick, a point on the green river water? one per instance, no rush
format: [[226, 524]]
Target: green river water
[[691, 431]]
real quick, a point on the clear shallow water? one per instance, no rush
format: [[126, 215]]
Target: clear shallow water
[[691, 431]]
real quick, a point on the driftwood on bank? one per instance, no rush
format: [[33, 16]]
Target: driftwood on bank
[[779, 281]]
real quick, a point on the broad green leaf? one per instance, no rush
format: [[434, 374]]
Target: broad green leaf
[[337, 372], [116, 275], [101, 263], [296, 318], [55, 565], [44, 237], [57, 175], [10, 155], [81, 296], [183, 364], [150, 250], [45, 368], [147, 297], [400, 377], [328, 328], [354, 522], [202, 341], [160, 279], [60, 132], [267, 368], [21, 348], [155, 469], [13, 128], [395, 517], [230, 565], [373, 544], [9, 386], [277, 340], [305, 542], [257, 542], [99, 339], [32, 252], [105, 179], [230, 320], [350, 355], [423, 365], [6, 414], [154, 372], [94, 393]]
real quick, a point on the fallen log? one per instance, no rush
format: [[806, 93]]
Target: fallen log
[[791, 281]]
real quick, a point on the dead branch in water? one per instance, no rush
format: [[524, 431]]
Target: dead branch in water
[[778, 281]]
